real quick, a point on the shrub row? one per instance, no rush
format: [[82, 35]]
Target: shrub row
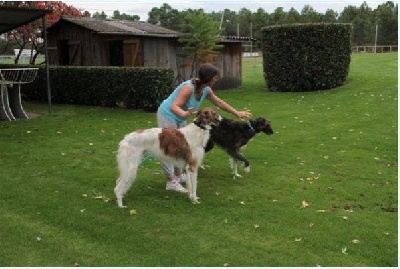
[[136, 88], [306, 57]]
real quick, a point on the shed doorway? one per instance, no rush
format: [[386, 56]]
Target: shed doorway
[[116, 53], [63, 52]]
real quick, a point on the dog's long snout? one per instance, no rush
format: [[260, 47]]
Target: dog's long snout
[[268, 129]]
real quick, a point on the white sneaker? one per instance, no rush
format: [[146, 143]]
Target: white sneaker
[[175, 186], [181, 178]]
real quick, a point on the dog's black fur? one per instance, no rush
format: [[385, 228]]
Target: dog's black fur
[[231, 135]]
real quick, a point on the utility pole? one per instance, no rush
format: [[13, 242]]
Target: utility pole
[[251, 44], [376, 36], [220, 24]]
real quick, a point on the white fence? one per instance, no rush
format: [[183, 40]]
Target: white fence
[[251, 54], [374, 49], [25, 52]]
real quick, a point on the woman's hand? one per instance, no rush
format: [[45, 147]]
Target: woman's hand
[[190, 111], [244, 114]]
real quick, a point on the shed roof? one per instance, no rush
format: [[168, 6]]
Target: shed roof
[[11, 18], [119, 27], [237, 39]]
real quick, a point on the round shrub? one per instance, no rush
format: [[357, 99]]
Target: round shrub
[[306, 57]]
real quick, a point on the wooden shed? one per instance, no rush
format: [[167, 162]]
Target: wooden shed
[[85, 41]]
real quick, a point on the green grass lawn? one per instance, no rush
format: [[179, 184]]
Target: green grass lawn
[[322, 190]]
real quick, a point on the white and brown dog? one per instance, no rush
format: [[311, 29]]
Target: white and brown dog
[[182, 147]]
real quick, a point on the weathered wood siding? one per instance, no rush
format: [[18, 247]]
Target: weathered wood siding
[[91, 49], [229, 63]]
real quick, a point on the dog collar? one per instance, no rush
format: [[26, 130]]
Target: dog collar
[[251, 127], [200, 126]]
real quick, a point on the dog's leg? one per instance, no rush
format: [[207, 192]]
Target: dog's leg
[[233, 165], [235, 157], [192, 186]]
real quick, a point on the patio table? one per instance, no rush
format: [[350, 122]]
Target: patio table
[[11, 80]]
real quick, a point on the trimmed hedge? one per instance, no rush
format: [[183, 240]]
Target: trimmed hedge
[[130, 87], [306, 57]]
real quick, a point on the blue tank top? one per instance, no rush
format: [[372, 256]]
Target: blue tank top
[[165, 106]]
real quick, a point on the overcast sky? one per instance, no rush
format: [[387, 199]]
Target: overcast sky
[[142, 7]]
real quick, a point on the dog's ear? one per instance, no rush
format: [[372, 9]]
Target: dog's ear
[[265, 126], [198, 119], [258, 123], [262, 125]]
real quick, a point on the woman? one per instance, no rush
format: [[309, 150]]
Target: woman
[[185, 100]]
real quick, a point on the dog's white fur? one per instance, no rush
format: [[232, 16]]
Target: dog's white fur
[[135, 144]]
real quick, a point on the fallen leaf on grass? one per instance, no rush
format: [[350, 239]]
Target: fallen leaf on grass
[[132, 212], [304, 204], [99, 196]]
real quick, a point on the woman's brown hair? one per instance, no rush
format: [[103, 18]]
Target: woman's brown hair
[[206, 73]]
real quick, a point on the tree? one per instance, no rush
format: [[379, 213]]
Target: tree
[[244, 21], [308, 14], [386, 16], [293, 16], [32, 34], [118, 16], [200, 38], [363, 26], [362, 20], [348, 14], [330, 16], [260, 19], [101, 15], [278, 17], [165, 16]]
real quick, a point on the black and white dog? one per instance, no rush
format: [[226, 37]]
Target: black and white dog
[[232, 135], [183, 147]]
